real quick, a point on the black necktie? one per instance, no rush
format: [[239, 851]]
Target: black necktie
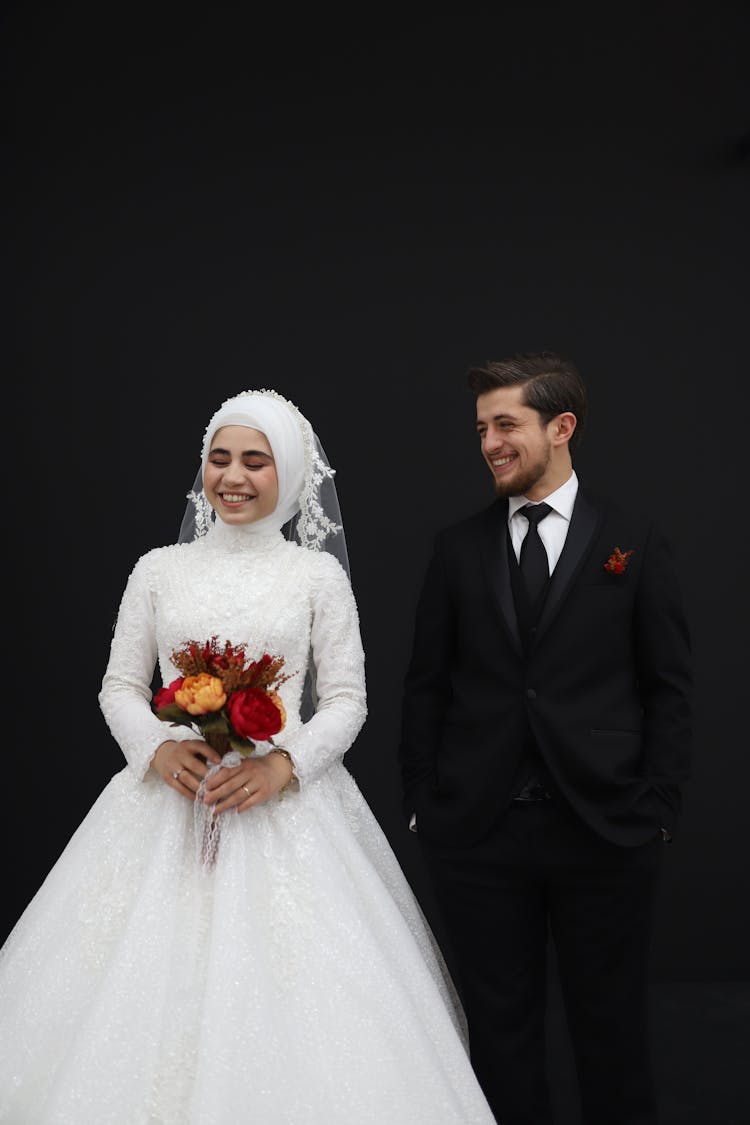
[[533, 560]]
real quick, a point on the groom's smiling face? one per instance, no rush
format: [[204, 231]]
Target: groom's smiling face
[[516, 444]]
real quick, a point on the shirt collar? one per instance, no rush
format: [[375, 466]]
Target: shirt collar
[[561, 500]]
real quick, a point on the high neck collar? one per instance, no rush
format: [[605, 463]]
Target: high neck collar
[[242, 537]]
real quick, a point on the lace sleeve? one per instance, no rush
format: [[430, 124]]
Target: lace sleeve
[[125, 696], [338, 658]]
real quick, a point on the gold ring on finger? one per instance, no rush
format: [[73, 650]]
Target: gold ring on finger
[[246, 790]]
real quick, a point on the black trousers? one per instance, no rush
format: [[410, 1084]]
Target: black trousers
[[542, 871]]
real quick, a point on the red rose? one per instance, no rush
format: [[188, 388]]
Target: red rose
[[254, 715], [165, 695]]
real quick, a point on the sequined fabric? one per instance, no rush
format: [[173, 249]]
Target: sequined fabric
[[295, 982]]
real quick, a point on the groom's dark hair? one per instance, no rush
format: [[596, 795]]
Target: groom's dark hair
[[552, 385]]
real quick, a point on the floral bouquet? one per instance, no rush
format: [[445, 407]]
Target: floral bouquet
[[232, 702]]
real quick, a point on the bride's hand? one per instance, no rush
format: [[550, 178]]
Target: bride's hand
[[183, 764], [253, 782]]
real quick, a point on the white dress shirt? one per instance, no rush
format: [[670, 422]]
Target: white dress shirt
[[553, 529]]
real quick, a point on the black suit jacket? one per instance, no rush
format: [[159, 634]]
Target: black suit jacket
[[605, 685]]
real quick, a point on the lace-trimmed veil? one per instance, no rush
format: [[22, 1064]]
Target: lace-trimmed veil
[[308, 509]]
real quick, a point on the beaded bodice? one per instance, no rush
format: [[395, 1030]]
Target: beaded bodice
[[258, 590]]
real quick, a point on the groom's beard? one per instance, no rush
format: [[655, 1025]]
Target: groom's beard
[[520, 483]]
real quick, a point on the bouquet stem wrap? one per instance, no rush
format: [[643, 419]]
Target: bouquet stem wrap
[[206, 824]]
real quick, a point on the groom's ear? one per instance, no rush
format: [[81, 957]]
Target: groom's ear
[[562, 427]]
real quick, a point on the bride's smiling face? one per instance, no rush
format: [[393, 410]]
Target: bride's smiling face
[[240, 479]]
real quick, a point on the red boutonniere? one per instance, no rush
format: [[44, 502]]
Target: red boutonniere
[[617, 561]]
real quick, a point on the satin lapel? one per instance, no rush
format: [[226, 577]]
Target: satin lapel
[[497, 568], [583, 524]]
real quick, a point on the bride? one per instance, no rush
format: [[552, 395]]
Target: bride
[[231, 939]]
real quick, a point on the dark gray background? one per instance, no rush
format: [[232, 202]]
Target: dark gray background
[[353, 210]]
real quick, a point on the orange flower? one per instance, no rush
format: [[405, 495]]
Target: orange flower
[[200, 695]]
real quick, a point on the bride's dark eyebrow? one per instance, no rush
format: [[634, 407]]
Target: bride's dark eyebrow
[[245, 453]]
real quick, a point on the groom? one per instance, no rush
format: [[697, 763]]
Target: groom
[[545, 733]]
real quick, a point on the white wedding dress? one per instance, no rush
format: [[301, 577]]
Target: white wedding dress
[[294, 981]]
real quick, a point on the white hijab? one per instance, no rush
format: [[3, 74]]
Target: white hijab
[[307, 507], [272, 416]]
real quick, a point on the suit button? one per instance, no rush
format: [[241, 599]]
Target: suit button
[[530, 693], [533, 631]]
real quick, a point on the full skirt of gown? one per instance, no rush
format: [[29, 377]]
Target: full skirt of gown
[[293, 981]]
